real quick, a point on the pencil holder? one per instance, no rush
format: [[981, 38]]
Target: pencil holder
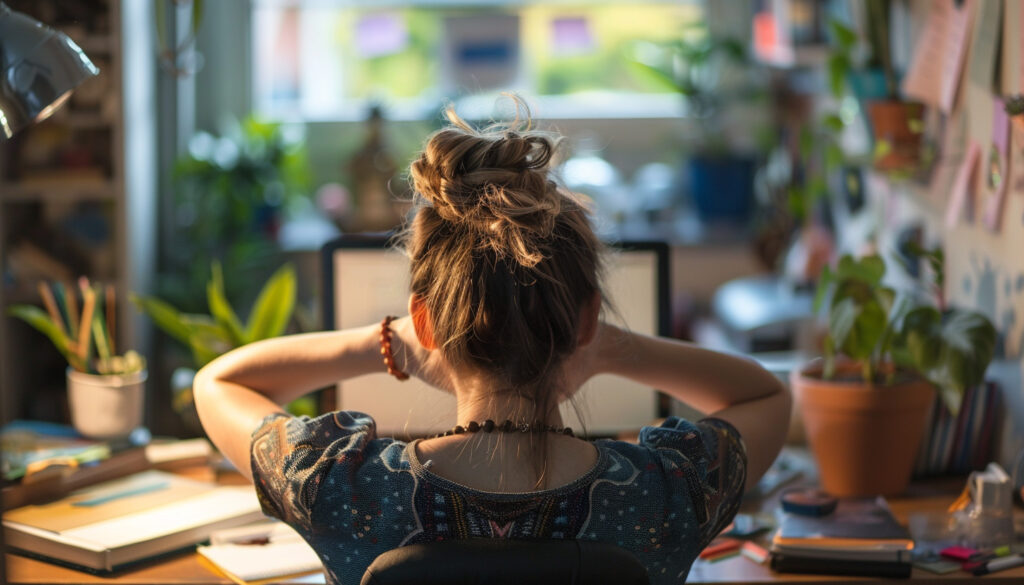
[[106, 407]]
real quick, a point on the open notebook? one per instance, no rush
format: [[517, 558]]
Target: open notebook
[[262, 553]]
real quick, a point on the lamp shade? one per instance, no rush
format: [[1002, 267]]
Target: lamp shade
[[39, 67]]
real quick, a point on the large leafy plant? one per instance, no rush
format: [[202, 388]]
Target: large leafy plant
[[208, 336], [886, 333]]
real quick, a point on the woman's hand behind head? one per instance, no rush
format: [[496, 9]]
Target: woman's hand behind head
[[414, 359]]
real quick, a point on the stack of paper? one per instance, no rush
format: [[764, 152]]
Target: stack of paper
[[261, 554]]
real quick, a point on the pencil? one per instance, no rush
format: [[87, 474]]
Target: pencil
[[73, 316], [60, 295], [88, 304], [110, 318], [51, 307]]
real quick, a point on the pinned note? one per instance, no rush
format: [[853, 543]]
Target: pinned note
[[981, 67], [937, 65], [960, 197], [1012, 54], [996, 166]]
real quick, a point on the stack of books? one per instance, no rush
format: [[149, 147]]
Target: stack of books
[[861, 537], [113, 524]]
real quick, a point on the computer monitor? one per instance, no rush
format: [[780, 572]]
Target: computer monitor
[[365, 279]]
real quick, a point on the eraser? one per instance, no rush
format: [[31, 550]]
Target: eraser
[[959, 553], [720, 546], [754, 552]]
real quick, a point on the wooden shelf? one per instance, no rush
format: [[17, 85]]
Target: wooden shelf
[[83, 120], [58, 190]]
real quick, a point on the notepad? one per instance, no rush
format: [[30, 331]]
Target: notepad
[[261, 554]]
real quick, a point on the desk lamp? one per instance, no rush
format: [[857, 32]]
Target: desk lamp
[[39, 66]]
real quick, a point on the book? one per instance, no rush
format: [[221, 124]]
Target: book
[[26, 444], [786, 563], [861, 537], [259, 554], [115, 523], [882, 554], [856, 524]]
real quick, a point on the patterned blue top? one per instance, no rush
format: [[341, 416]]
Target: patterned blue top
[[353, 496]]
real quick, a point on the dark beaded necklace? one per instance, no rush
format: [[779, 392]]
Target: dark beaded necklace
[[489, 426]]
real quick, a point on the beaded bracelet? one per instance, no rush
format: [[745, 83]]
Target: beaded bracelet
[[385, 349]]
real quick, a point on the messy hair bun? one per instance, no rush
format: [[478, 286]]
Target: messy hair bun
[[494, 183], [503, 257]]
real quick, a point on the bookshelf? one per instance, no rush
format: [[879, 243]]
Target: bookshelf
[[71, 195]]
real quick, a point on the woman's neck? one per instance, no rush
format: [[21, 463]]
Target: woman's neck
[[477, 400]]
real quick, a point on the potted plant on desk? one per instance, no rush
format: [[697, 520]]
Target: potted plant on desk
[[865, 403], [105, 390]]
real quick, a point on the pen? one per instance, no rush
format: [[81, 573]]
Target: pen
[[1000, 564]]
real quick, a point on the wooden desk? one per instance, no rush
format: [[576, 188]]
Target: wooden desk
[[922, 498], [186, 569]]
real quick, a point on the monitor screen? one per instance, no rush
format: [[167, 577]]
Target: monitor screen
[[365, 279]]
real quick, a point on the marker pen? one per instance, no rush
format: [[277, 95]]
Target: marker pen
[[1000, 564]]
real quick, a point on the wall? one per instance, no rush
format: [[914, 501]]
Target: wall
[[984, 266]]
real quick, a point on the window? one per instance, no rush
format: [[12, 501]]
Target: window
[[319, 60]]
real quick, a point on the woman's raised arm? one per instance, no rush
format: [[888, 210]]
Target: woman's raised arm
[[729, 387], [236, 391]]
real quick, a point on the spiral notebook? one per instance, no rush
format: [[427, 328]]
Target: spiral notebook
[[262, 553]]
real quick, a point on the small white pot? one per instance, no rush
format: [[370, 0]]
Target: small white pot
[[106, 407]]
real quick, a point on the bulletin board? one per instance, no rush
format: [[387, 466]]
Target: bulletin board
[[973, 200]]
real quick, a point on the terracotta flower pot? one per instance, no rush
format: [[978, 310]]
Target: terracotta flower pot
[[898, 124], [864, 438]]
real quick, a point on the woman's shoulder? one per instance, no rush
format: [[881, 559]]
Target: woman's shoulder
[[285, 444], [694, 440]]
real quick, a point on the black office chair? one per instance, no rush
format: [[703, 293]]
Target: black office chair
[[487, 561]]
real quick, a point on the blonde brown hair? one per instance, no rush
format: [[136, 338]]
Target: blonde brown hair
[[503, 257]]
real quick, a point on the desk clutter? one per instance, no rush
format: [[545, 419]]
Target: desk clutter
[[101, 505], [112, 524], [809, 531]]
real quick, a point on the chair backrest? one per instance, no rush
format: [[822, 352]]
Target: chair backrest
[[489, 561]]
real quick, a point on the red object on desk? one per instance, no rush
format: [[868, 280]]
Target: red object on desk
[[720, 546], [959, 553]]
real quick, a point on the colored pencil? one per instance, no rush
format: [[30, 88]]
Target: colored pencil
[[73, 315], [84, 329], [111, 318], [51, 307]]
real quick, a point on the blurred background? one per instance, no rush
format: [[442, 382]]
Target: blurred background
[[223, 140]]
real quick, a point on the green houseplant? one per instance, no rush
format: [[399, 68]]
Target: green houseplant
[[864, 404], [717, 83], [105, 390], [209, 335], [897, 124], [231, 194]]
